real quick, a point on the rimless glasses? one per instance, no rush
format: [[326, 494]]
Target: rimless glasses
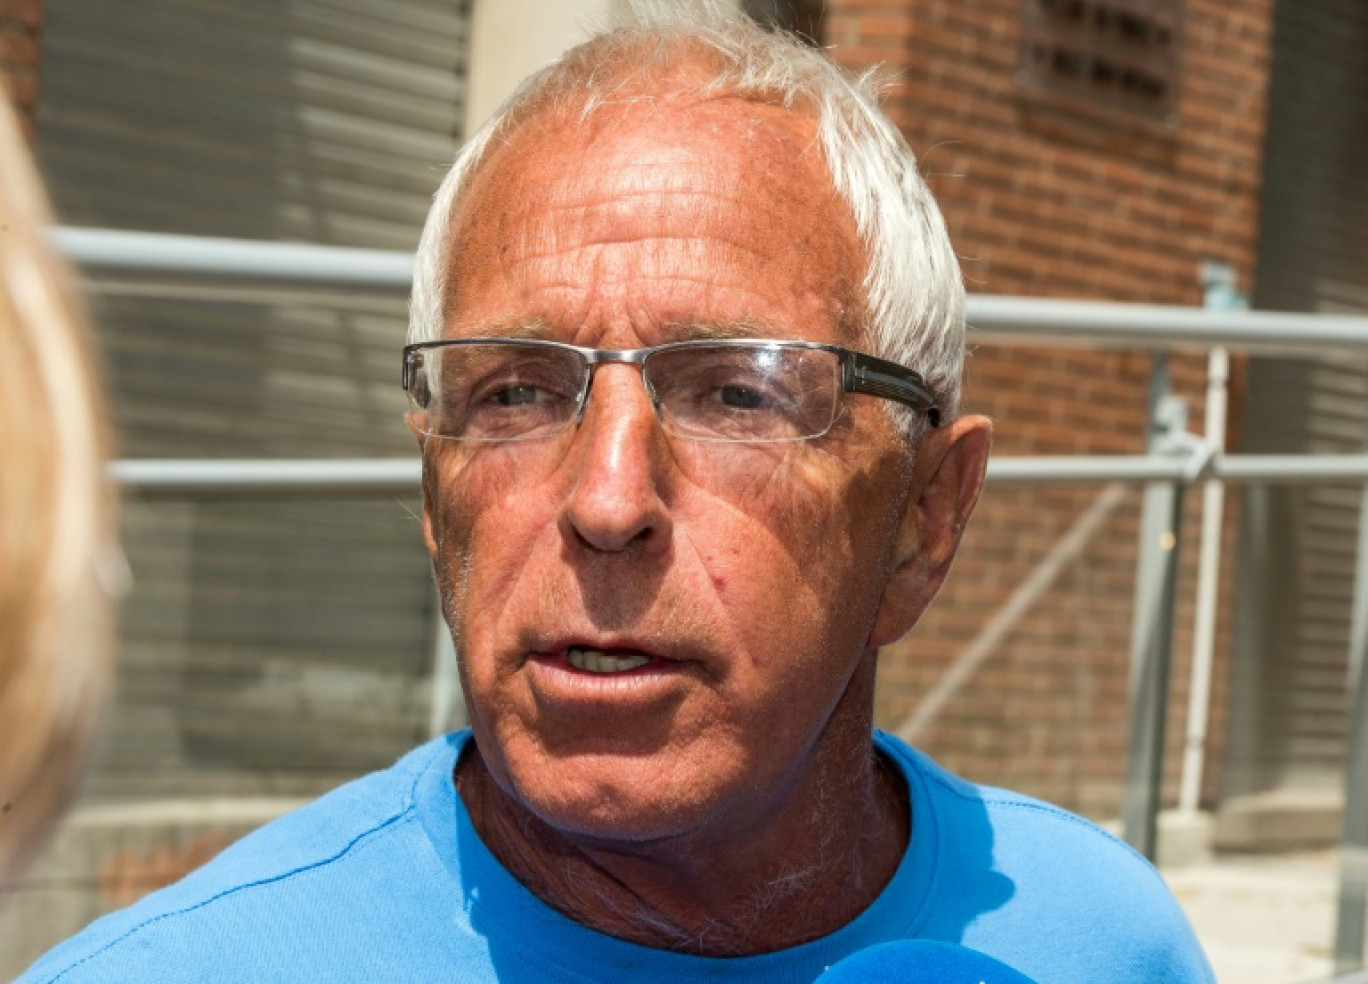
[[496, 390]]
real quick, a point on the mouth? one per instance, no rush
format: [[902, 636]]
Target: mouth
[[602, 661], [573, 676]]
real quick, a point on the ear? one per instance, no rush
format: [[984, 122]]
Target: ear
[[947, 478], [428, 537]]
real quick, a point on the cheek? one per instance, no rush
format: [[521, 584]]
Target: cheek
[[786, 556], [789, 502], [485, 489], [491, 511]]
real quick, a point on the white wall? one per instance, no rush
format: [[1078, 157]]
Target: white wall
[[510, 39]]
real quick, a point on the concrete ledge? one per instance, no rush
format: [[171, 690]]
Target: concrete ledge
[[232, 811], [1185, 838], [1280, 820]]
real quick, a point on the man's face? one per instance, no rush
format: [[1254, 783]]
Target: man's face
[[748, 577]]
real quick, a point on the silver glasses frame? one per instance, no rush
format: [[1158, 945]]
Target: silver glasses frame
[[860, 372]]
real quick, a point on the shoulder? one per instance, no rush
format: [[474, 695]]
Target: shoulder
[[264, 886], [1021, 834], [1016, 872]]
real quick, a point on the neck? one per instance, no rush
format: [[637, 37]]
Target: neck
[[793, 879]]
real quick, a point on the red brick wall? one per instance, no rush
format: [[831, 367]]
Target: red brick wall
[[20, 24], [1063, 211]]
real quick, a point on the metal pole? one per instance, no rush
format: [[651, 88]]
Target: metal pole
[[1022, 600], [1353, 894], [361, 477], [343, 477], [1060, 469], [1293, 469], [1219, 280], [1208, 581], [992, 316], [208, 256], [1152, 633]]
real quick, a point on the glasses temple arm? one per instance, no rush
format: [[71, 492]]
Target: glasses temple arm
[[878, 377]]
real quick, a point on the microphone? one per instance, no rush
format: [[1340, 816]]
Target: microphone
[[920, 962]]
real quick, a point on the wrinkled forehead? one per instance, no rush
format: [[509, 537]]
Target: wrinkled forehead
[[742, 172]]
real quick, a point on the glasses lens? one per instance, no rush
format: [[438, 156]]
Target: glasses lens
[[495, 391], [745, 393]]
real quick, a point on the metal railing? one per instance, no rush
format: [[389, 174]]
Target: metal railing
[[362, 477], [1172, 464]]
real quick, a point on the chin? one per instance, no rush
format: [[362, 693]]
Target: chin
[[617, 799]]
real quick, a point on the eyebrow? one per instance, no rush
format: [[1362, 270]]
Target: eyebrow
[[741, 328], [670, 331], [535, 328]]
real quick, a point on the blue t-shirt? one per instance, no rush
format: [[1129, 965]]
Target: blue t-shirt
[[386, 879]]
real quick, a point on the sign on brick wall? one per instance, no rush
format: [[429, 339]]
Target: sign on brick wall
[[1101, 57]]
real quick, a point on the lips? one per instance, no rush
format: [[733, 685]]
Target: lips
[[591, 679], [593, 660]]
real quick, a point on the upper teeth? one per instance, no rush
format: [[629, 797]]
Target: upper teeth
[[597, 661]]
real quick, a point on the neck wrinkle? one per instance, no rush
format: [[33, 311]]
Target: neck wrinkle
[[671, 897]]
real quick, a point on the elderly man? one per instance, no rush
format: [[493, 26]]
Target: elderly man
[[684, 365]]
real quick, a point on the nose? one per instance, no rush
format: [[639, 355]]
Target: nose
[[620, 462]]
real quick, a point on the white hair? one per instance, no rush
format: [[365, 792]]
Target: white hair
[[913, 290]]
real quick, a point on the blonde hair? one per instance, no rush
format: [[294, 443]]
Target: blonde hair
[[56, 518]]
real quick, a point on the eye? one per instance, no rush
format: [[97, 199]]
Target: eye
[[517, 395], [744, 393], [525, 384], [742, 397]]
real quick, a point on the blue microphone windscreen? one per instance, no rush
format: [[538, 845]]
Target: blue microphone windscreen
[[921, 962]]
